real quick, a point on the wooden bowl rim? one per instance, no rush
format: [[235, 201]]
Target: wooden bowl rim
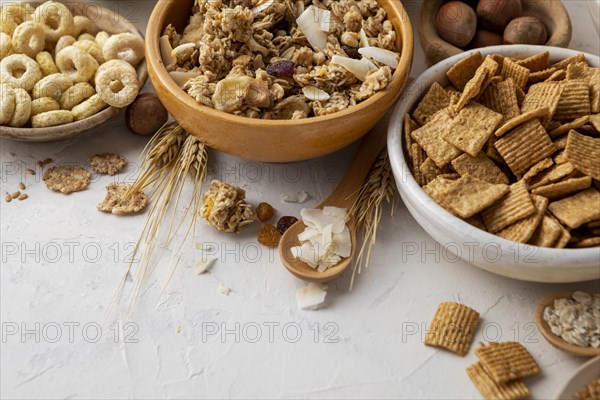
[[403, 28], [76, 128], [428, 34], [554, 340]]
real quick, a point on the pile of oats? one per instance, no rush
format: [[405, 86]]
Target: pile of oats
[[576, 319], [282, 59]]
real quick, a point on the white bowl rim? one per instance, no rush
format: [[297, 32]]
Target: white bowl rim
[[411, 95]]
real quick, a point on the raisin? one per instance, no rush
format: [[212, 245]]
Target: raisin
[[269, 236], [281, 69], [264, 212], [284, 223], [352, 52]]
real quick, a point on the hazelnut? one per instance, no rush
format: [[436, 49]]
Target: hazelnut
[[146, 115], [456, 23], [494, 15], [485, 38], [526, 30]]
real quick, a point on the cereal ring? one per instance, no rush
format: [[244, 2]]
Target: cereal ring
[[14, 14], [44, 104], [117, 83], [102, 37], [82, 25], [76, 63], [56, 19], [7, 26], [20, 70], [5, 45], [91, 106], [86, 36], [22, 109], [46, 63], [124, 46], [29, 39], [75, 95], [92, 48], [51, 118], [52, 86], [7, 103], [63, 43]]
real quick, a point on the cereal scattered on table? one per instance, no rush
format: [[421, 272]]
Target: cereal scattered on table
[[117, 202], [452, 328]]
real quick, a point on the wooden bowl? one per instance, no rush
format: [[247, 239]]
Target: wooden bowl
[[557, 341], [268, 140], [104, 20], [552, 13]]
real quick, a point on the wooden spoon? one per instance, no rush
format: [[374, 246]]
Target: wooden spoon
[[557, 341], [344, 196]]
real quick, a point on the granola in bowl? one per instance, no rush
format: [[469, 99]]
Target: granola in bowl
[[282, 59]]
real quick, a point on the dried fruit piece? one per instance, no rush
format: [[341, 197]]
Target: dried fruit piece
[[352, 52], [269, 235], [265, 212], [285, 223], [281, 69]]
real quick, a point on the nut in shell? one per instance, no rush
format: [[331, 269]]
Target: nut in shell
[[146, 115], [526, 30], [66, 178], [116, 202], [456, 23]]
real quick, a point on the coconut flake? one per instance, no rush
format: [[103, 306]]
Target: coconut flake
[[310, 24], [372, 65], [182, 77], [364, 39], [182, 48], [324, 19], [315, 94], [166, 51], [224, 290], [262, 7], [294, 197], [384, 56], [311, 296], [358, 68], [203, 265], [326, 239]]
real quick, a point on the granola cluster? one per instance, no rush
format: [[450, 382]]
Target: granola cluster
[[282, 59]]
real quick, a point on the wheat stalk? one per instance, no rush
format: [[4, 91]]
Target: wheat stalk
[[380, 186], [169, 158]]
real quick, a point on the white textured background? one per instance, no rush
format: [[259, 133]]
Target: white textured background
[[62, 261]]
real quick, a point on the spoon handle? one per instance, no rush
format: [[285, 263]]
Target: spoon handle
[[369, 150]]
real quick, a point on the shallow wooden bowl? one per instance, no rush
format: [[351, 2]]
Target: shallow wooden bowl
[[104, 20], [557, 341], [266, 140], [552, 13]]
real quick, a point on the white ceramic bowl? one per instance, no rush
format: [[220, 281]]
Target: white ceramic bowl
[[480, 248], [580, 379], [595, 11]]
